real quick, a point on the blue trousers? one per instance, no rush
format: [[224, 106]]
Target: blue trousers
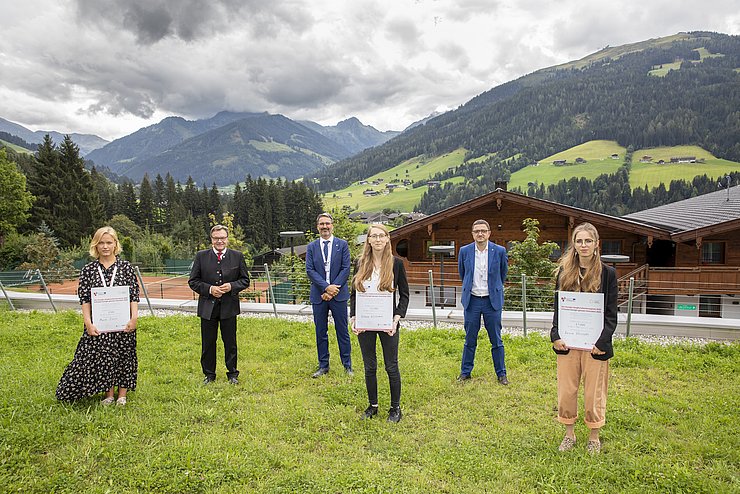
[[321, 321], [492, 318]]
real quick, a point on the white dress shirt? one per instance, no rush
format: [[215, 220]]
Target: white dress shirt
[[480, 274]]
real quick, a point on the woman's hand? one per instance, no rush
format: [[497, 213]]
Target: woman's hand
[[560, 345], [354, 329], [392, 331], [596, 351], [91, 330], [130, 326]]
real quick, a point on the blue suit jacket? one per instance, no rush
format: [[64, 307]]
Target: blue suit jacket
[[338, 270], [498, 266]]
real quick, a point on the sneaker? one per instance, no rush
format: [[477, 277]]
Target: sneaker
[[463, 377], [370, 412], [107, 401], [394, 414], [594, 447], [349, 371], [121, 401], [567, 444], [503, 380]]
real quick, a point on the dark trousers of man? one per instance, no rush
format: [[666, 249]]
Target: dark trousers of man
[[492, 319], [321, 321], [390, 357], [209, 335]]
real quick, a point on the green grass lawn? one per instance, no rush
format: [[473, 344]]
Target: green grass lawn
[[672, 418]]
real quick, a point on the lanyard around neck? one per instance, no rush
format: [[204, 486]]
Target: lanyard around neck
[[112, 278]]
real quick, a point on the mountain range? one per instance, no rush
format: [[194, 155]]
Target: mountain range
[[86, 142]]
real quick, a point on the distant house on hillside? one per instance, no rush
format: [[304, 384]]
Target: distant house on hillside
[[370, 192], [559, 162], [646, 159], [615, 156], [661, 162], [580, 160], [433, 184], [684, 159], [391, 186]]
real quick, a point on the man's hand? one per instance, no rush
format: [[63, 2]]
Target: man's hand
[[332, 290], [326, 297], [225, 288], [216, 291]]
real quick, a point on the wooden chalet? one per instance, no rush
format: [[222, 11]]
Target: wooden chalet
[[663, 258]]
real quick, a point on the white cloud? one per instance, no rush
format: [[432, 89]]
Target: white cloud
[[110, 67]]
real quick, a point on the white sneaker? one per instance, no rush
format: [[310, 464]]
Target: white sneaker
[[107, 401], [121, 401]]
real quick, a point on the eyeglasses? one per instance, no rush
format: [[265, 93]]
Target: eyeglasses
[[377, 236], [480, 232], [219, 239], [587, 241], [325, 223]]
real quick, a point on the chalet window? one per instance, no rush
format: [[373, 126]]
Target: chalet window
[[710, 306], [429, 243], [557, 252], [713, 253], [402, 248], [611, 247]]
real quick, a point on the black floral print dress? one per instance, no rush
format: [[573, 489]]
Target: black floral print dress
[[108, 359]]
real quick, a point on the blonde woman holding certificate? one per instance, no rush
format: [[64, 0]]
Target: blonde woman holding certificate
[[378, 272], [580, 270], [103, 359]]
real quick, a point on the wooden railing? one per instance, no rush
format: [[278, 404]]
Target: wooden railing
[[704, 280], [640, 287]]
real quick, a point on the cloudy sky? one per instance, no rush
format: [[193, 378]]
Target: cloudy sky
[[110, 67]]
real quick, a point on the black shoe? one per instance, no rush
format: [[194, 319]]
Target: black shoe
[[208, 380], [394, 414], [349, 371], [463, 377], [233, 380], [503, 380], [370, 412], [320, 372]]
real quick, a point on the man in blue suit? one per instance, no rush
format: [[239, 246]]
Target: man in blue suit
[[327, 266], [483, 266]]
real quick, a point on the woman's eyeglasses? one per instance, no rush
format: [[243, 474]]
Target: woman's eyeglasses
[[377, 236]]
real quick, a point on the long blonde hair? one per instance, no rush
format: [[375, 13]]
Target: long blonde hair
[[569, 267], [365, 264], [96, 240]]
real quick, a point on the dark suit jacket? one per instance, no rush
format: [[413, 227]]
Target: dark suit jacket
[[338, 269], [400, 296], [609, 289], [498, 267], [205, 274]]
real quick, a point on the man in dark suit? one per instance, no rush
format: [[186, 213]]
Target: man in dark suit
[[327, 266], [483, 266], [218, 275]]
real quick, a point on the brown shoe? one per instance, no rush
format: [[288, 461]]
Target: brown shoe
[[567, 444], [594, 447]]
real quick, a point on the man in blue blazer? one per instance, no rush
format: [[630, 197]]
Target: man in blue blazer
[[483, 266], [327, 266]]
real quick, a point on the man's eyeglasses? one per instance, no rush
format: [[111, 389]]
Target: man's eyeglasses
[[377, 236], [480, 232], [219, 239]]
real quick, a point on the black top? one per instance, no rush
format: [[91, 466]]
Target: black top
[[609, 289], [400, 296]]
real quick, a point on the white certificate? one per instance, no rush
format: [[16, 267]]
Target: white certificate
[[110, 307], [580, 318], [373, 309]]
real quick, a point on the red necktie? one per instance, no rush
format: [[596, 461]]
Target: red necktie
[[219, 254]]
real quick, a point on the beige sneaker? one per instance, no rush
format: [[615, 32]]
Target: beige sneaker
[[567, 444], [593, 447], [107, 401], [121, 401]]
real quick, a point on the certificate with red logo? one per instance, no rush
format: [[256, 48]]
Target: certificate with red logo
[[110, 308], [580, 318], [373, 309]]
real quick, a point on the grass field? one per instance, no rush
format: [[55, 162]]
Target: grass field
[[671, 419], [15, 147], [402, 198]]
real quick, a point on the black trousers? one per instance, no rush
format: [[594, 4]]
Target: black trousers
[[390, 357], [209, 335]]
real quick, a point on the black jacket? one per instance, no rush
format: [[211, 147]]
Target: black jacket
[[208, 271], [400, 296], [609, 289]]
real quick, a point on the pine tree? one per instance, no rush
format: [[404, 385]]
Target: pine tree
[[146, 203]]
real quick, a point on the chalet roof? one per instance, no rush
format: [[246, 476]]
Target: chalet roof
[[623, 223], [708, 213]]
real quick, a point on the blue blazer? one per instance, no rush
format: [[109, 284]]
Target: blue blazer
[[338, 270], [498, 266]]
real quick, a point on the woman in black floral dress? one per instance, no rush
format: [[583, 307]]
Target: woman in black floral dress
[[103, 360]]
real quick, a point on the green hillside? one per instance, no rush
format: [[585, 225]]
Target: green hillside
[[652, 174], [403, 198], [17, 149]]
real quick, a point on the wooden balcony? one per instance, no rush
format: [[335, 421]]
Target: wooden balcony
[[700, 280]]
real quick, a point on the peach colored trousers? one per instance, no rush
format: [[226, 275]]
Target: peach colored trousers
[[577, 365]]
